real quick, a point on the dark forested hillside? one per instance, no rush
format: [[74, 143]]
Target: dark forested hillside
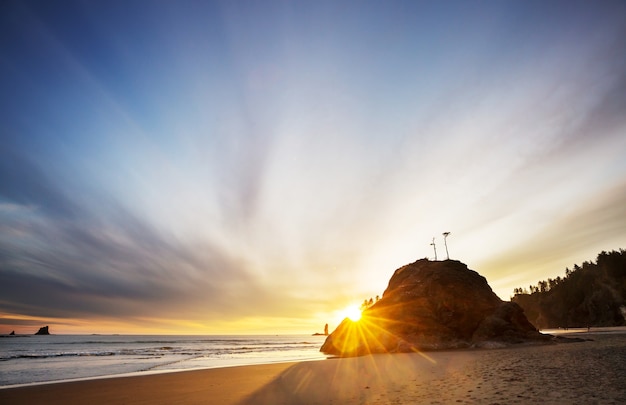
[[593, 294]]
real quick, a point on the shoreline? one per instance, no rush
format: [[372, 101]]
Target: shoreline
[[156, 388], [571, 332], [594, 330], [67, 358], [156, 372], [591, 371]]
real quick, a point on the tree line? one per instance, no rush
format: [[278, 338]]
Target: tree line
[[368, 303], [592, 294]]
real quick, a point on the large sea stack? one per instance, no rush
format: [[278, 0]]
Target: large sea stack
[[433, 305], [43, 331]]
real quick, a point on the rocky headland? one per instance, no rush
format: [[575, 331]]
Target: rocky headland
[[434, 305], [44, 330], [590, 295]]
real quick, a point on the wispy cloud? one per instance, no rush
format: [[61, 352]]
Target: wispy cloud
[[253, 164]]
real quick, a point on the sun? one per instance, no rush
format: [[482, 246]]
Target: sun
[[352, 312]]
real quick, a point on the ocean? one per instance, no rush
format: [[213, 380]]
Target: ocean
[[40, 359]]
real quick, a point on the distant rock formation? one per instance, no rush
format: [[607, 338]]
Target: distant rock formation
[[433, 305], [325, 331], [12, 333], [43, 331]]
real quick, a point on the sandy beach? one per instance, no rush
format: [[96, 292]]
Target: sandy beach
[[590, 372]]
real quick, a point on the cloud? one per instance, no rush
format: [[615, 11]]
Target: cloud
[[592, 225], [24, 183], [57, 259], [219, 171]]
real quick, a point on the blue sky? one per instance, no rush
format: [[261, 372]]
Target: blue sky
[[218, 167]]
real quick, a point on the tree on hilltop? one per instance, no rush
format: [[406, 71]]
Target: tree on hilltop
[[593, 294]]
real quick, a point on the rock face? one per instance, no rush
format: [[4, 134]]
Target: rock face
[[432, 306], [43, 331]]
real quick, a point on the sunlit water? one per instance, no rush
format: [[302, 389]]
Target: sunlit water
[[35, 359]]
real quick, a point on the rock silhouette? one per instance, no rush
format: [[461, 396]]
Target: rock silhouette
[[322, 334], [43, 331], [433, 305]]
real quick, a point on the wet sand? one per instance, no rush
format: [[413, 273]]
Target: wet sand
[[590, 372]]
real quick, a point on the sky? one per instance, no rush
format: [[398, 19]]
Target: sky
[[247, 167]]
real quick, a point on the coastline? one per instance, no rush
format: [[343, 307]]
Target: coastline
[[68, 358], [580, 372], [156, 372]]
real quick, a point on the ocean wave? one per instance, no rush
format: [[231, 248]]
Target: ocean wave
[[157, 352], [35, 356]]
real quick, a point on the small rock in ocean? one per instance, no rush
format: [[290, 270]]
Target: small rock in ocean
[[43, 331]]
